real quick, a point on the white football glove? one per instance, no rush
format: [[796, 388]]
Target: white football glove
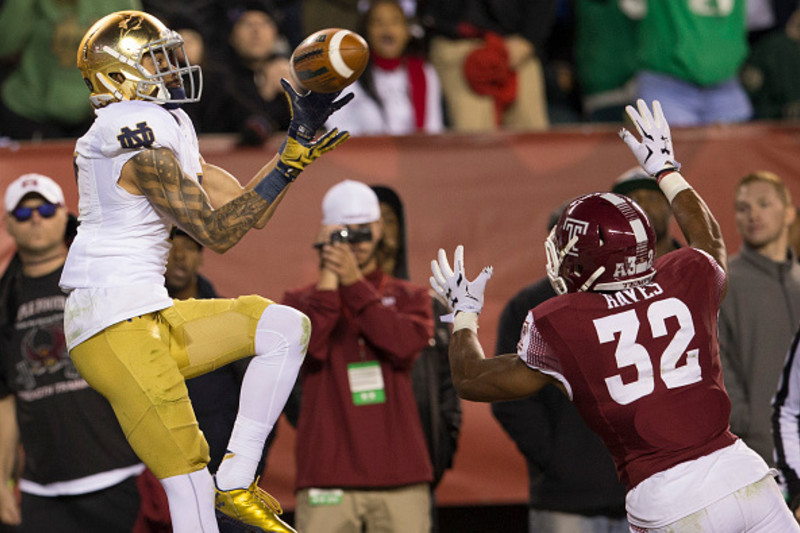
[[654, 152], [452, 285]]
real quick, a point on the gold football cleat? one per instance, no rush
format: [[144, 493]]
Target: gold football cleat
[[254, 507]]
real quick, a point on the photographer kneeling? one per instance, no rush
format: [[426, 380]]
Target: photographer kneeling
[[367, 328]]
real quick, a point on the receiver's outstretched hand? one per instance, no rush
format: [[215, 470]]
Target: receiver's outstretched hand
[[452, 285]]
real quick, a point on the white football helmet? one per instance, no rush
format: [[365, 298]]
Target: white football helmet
[[110, 60]]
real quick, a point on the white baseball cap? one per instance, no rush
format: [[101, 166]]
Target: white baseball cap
[[633, 179], [350, 202], [33, 183]]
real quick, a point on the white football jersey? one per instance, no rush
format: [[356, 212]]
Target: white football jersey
[[115, 266]]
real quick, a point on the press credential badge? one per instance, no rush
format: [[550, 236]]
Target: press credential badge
[[325, 496], [366, 383]]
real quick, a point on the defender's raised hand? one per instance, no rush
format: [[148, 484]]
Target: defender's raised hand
[[654, 152], [452, 285]]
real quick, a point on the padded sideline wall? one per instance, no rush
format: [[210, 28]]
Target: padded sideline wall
[[492, 193]]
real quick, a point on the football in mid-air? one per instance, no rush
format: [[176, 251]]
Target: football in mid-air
[[329, 60]]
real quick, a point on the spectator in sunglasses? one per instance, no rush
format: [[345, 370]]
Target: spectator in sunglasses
[[76, 456], [45, 210], [33, 193]]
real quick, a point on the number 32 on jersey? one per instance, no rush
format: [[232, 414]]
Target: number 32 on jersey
[[629, 353]]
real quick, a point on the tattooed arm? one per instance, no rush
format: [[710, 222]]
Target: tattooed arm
[[222, 187], [157, 174], [309, 112]]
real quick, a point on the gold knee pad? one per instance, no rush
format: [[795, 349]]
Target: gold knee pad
[[208, 334]]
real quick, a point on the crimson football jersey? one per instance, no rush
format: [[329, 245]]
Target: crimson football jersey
[[642, 364]]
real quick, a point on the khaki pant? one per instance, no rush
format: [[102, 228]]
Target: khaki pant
[[470, 111], [404, 509]]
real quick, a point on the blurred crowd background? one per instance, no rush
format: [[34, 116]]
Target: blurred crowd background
[[436, 65]]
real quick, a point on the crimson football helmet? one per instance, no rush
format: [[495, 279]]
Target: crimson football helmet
[[601, 242], [110, 60]]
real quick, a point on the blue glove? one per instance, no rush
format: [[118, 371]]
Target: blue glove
[[310, 111]]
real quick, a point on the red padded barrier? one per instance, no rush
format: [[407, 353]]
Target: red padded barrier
[[492, 193]]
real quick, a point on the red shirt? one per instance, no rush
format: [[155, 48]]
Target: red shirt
[[642, 364], [341, 444]]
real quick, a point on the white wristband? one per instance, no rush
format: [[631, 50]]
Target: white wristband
[[672, 184], [465, 321]]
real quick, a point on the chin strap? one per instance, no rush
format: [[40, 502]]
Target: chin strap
[[588, 285], [177, 93]]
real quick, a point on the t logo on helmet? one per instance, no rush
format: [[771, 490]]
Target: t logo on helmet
[[574, 227]]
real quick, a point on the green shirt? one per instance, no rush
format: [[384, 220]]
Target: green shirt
[[46, 84], [605, 45], [698, 41]]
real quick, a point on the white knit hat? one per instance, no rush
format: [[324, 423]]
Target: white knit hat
[[350, 202], [33, 183]]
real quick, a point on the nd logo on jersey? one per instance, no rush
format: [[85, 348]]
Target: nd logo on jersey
[[141, 137]]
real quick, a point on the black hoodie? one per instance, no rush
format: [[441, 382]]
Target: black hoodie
[[438, 403]]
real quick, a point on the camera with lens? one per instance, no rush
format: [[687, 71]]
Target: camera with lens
[[349, 236]]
